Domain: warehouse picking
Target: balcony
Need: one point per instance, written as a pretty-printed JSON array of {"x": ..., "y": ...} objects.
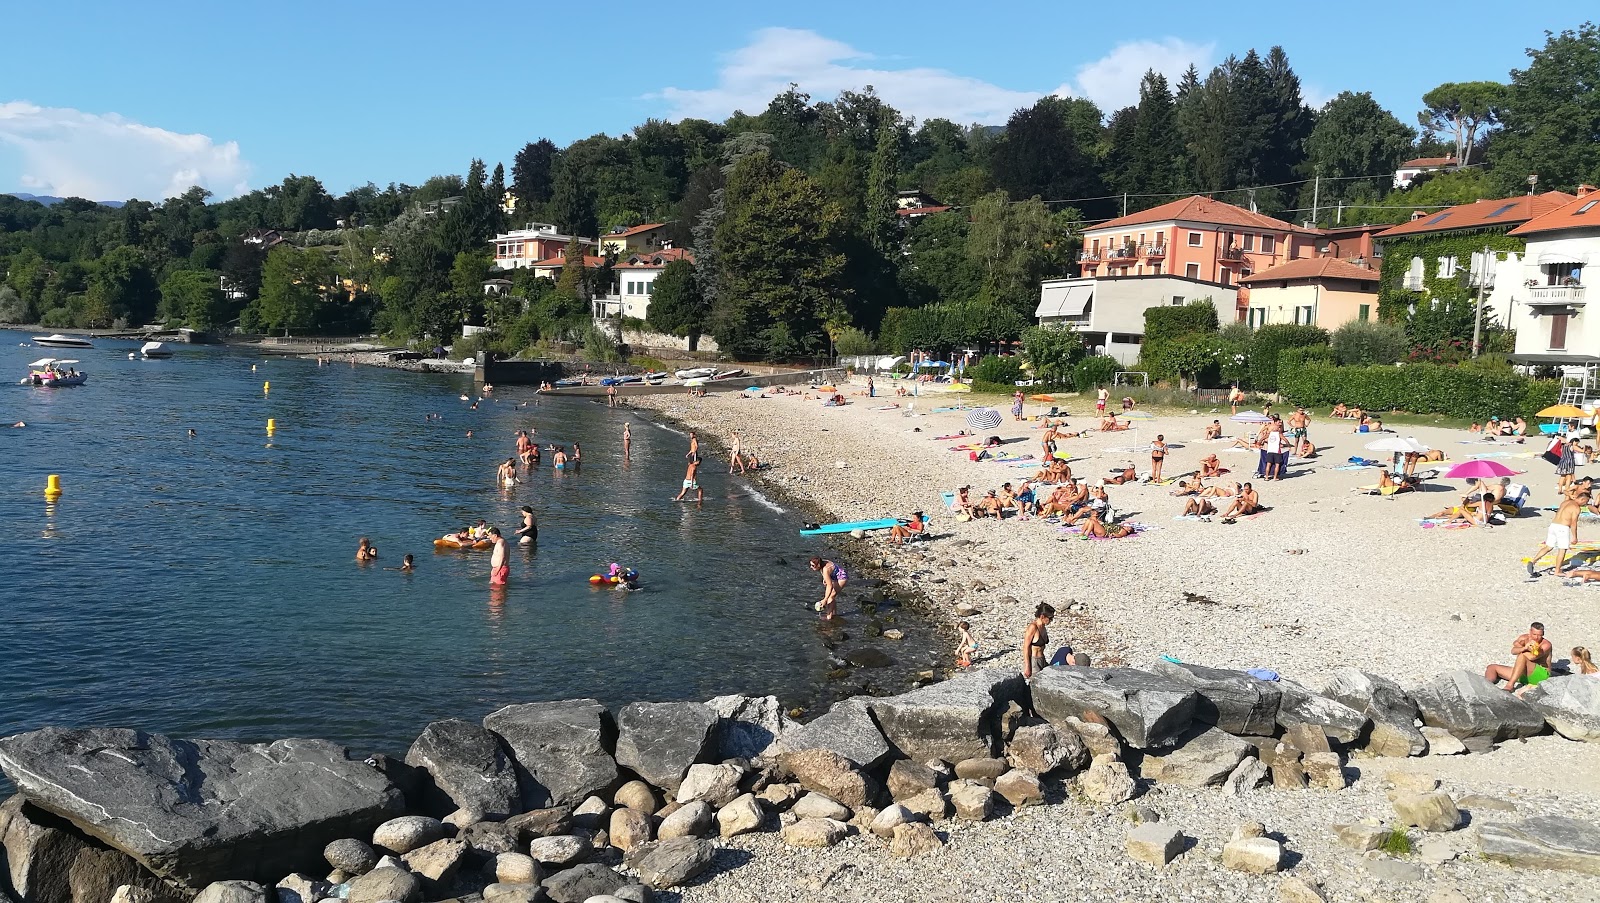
[
  {"x": 1127, "y": 252},
  {"x": 1412, "y": 282},
  {"x": 1555, "y": 295},
  {"x": 1088, "y": 256},
  {"x": 1231, "y": 257},
  {"x": 1153, "y": 251}
]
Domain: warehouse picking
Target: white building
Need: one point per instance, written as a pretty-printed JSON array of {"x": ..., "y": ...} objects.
[
  {"x": 1109, "y": 313},
  {"x": 1551, "y": 315},
  {"x": 635, "y": 283},
  {"x": 1409, "y": 170}
]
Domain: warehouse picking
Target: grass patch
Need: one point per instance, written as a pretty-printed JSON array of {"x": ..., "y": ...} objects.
[{"x": 1396, "y": 843}]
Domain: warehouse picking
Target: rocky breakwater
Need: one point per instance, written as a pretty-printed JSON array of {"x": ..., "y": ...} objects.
[{"x": 563, "y": 801}]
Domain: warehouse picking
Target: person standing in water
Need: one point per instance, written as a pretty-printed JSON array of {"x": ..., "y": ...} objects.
[
  {"x": 499, "y": 566},
  {"x": 507, "y": 473},
  {"x": 627, "y": 441},
  {"x": 694, "y": 449},
  {"x": 611, "y": 395},
  {"x": 528, "y": 533},
  {"x": 689, "y": 482},
  {"x": 736, "y": 454},
  {"x": 833, "y": 580},
  {"x": 365, "y": 551}
]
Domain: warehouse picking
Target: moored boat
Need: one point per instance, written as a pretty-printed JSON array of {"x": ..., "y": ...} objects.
[
  {"x": 57, "y": 340},
  {"x": 696, "y": 373},
  {"x": 155, "y": 351}
]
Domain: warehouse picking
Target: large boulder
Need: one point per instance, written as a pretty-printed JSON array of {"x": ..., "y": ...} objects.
[
  {"x": 749, "y": 727},
  {"x": 830, "y": 774},
  {"x": 660, "y": 740},
  {"x": 952, "y": 720},
  {"x": 50, "y": 862},
  {"x": 198, "y": 811},
  {"x": 1570, "y": 704},
  {"x": 1148, "y": 710},
  {"x": 1042, "y": 748},
  {"x": 1546, "y": 842},
  {"x": 1394, "y": 730},
  {"x": 559, "y": 748},
  {"x": 716, "y": 784},
  {"x": 467, "y": 768},
  {"x": 386, "y": 884},
  {"x": 236, "y": 892},
  {"x": 1477, "y": 712},
  {"x": 1232, "y": 700},
  {"x": 669, "y": 863},
  {"x": 1205, "y": 756},
  {"x": 1300, "y": 705},
  {"x": 575, "y": 885},
  {"x": 847, "y": 729}
]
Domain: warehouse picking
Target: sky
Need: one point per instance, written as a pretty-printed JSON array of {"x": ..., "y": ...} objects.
[{"x": 109, "y": 100}]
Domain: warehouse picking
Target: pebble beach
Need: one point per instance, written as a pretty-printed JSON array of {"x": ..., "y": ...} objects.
[{"x": 1327, "y": 578}]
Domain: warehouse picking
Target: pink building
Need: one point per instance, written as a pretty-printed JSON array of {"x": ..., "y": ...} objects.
[
  {"x": 533, "y": 246},
  {"x": 1194, "y": 238}
]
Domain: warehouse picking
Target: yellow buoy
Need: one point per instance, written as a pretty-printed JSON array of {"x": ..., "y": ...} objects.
[
  {"x": 272, "y": 424},
  {"x": 52, "y": 486},
  {"x": 266, "y": 387}
]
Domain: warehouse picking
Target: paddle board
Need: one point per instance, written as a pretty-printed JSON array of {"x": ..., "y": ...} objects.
[{"x": 884, "y": 524}]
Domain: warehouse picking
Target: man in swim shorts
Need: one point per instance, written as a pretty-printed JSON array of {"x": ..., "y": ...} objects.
[
  {"x": 499, "y": 565},
  {"x": 1532, "y": 654},
  {"x": 689, "y": 482},
  {"x": 1561, "y": 534},
  {"x": 1100, "y": 396}
]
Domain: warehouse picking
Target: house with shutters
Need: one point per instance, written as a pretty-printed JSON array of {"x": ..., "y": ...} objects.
[
  {"x": 1323, "y": 291},
  {"x": 635, "y": 282},
  {"x": 1552, "y": 320}
]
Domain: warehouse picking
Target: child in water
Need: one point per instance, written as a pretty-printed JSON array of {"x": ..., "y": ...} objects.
[
  {"x": 407, "y": 565},
  {"x": 968, "y": 645}
]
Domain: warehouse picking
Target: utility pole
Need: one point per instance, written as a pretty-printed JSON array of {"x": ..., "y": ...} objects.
[
  {"x": 1316, "y": 193},
  {"x": 1124, "y": 203},
  {"x": 1477, "y": 313}
]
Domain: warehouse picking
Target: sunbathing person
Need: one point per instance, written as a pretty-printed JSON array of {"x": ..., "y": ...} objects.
[
  {"x": 1339, "y": 410},
  {"x": 1246, "y": 504},
  {"x": 1385, "y": 481},
  {"x": 963, "y": 504},
  {"x": 1220, "y": 491},
  {"x": 1532, "y": 653},
  {"x": 913, "y": 525},
  {"x": 1200, "y": 507},
  {"x": 1111, "y": 424},
  {"x": 1245, "y": 442},
  {"x": 1124, "y": 474},
  {"x": 1210, "y": 466},
  {"x": 1189, "y": 487},
  {"x": 989, "y": 506},
  {"x": 1099, "y": 529},
  {"x": 1214, "y": 431}
]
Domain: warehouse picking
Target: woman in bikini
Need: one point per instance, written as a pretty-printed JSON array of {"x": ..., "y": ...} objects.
[
  {"x": 1158, "y": 455},
  {"x": 1099, "y": 529},
  {"x": 1035, "y": 638}
]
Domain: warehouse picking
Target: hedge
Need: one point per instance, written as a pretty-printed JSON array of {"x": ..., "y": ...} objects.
[{"x": 1419, "y": 389}]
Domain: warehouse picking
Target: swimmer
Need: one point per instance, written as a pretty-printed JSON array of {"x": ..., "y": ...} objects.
[
  {"x": 407, "y": 565},
  {"x": 560, "y": 458},
  {"x": 528, "y": 533},
  {"x": 192, "y": 433},
  {"x": 499, "y": 567},
  {"x": 507, "y": 473},
  {"x": 365, "y": 551}
]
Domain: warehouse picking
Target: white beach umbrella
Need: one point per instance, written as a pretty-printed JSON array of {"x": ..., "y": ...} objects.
[
  {"x": 1250, "y": 417},
  {"x": 1400, "y": 445}
]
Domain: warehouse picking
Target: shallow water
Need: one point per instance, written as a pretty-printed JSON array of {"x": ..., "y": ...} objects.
[{"x": 206, "y": 587}]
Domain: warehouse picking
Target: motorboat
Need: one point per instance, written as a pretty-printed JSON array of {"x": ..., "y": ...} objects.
[
  {"x": 155, "y": 351},
  {"x": 696, "y": 373},
  {"x": 728, "y": 374},
  {"x": 54, "y": 373},
  {"x": 57, "y": 340}
]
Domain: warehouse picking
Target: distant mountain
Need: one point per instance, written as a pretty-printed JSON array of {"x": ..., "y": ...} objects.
[{"x": 48, "y": 200}]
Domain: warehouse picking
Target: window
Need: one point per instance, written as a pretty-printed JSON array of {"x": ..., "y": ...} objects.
[
  {"x": 1177, "y": 300},
  {"x": 1500, "y": 210},
  {"x": 1559, "y": 273},
  {"x": 1363, "y": 311},
  {"x": 1304, "y": 316},
  {"x": 1266, "y": 244},
  {"x": 1586, "y": 207},
  {"x": 1155, "y": 268},
  {"x": 1227, "y": 276},
  {"x": 1194, "y": 239},
  {"x": 650, "y": 287},
  {"x": 1437, "y": 220},
  {"x": 1447, "y": 267},
  {"x": 1192, "y": 270},
  {"x": 1249, "y": 242},
  {"x": 1256, "y": 316}
]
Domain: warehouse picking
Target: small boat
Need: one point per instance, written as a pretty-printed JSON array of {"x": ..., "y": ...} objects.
[
  {"x": 696, "y": 373},
  {"x": 155, "y": 351},
  {"x": 57, "y": 340},
  {"x": 821, "y": 529},
  {"x": 568, "y": 383},
  {"x": 728, "y": 374},
  {"x": 46, "y": 373}
]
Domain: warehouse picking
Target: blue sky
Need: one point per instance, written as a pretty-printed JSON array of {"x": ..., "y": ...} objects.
[{"x": 118, "y": 99}]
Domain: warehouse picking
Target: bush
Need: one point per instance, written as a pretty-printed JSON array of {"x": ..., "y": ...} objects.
[
  {"x": 1463, "y": 392},
  {"x": 1269, "y": 342},
  {"x": 12, "y": 308},
  {"x": 852, "y": 342},
  {"x": 1163, "y": 324},
  {"x": 56, "y": 318},
  {"x": 1052, "y": 352},
  {"x": 599, "y": 347},
  {"x": 1090, "y": 372},
  {"x": 1360, "y": 342},
  {"x": 1003, "y": 371}
]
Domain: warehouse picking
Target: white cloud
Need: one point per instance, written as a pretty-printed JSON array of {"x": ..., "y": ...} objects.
[
  {"x": 754, "y": 74},
  {"x": 104, "y": 157},
  {"x": 1112, "y": 81},
  {"x": 776, "y": 57}
]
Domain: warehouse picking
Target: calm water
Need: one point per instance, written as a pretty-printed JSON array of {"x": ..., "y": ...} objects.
[{"x": 206, "y": 587}]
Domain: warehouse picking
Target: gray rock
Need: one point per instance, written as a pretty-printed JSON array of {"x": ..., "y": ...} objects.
[
  {"x": 48, "y": 864},
  {"x": 1546, "y": 842},
  {"x": 634, "y": 893},
  {"x": 354, "y": 856},
  {"x": 1299, "y": 890},
  {"x": 301, "y": 888},
  {"x": 929, "y": 804},
  {"x": 1393, "y": 731},
  {"x": 1412, "y": 781},
  {"x": 1043, "y": 749},
  {"x": 846, "y": 729},
  {"x": 1441, "y": 742},
  {"x": 1324, "y": 770},
  {"x": 1435, "y": 811},
  {"x": 716, "y": 784},
  {"x": 829, "y": 773},
  {"x": 749, "y": 727},
  {"x": 1249, "y": 775},
  {"x": 513, "y": 892},
  {"x": 1477, "y": 712},
  {"x": 188, "y": 809},
  {"x": 1475, "y": 802},
  {"x": 237, "y": 892},
  {"x": 814, "y": 832},
  {"x": 1386, "y": 869},
  {"x": 467, "y": 768},
  {"x": 660, "y": 740},
  {"x": 1107, "y": 781},
  {"x": 1020, "y": 788},
  {"x": 741, "y": 816},
  {"x": 914, "y": 839},
  {"x": 669, "y": 863},
  {"x": 126, "y": 893},
  {"x": 559, "y": 749},
  {"x": 1299, "y": 705},
  {"x": 908, "y": 778},
  {"x": 817, "y": 805},
  {"x": 780, "y": 796},
  {"x": 638, "y": 795},
  {"x": 1232, "y": 700},
  {"x": 983, "y": 770},
  {"x": 517, "y": 868},
  {"x": 1571, "y": 705},
  {"x": 560, "y": 850},
  {"x": 972, "y": 801},
  {"x": 437, "y": 863},
  {"x": 1253, "y": 855},
  {"x": 578, "y": 884},
  {"x": 384, "y": 884},
  {"x": 547, "y": 822},
  {"x": 406, "y": 833},
  {"x": 1156, "y": 844},
  {"x": 952, "y": 720},
  {"x": 1148, "y": 710},
  {"x": 1204, "y": 756},
  {"x": 696, "y": 819},
  {"x": 590, "y": 815}
]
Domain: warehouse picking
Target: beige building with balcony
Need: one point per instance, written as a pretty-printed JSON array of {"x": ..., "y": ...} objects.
[{"x": 1553, "y": 320}]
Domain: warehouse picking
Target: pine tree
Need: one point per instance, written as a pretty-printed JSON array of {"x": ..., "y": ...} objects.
[
  {"x": 1158, "y": 165},
  {"x": 532, "y": 176},
  {"x": 883, "y": 177},
  {"x": 573, "y": 205},
  {"x": 1117, "y": 163},
  {"x": 497, "y": 197}
]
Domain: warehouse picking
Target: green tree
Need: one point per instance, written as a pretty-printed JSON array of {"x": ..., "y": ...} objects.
[
  {"x": 121, "y": 288},
  {"x": 194, "y": 297},
  {"x": 12, "y": 308},
  {"x": 533, "y": 176},
  {"x": 883, "y": 178},
  {"x": 1354, "y": 137},
  {"x": 1358, "y": 343},
  {"x": 1156, "y": 165},
  {"x": 573, "y": 202},
  {"x": 1052, "y": 352},
  {"x": 937, "y": 266},
  {"x": 1270, "y": 341},
  {"x": 1461, "y": 110},
  {"x": 1551, "y": 118},
  {"x": 1015, "y": 245},
  {"x": 1187, "y": 356},
  {"x": 294, "y": 283},
  {"x": 677, "y": 306},
  {"x": 1040, "y": 154}
]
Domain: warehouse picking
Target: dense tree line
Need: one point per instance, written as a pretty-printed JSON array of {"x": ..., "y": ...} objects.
[{"x": 792, "y": 211}]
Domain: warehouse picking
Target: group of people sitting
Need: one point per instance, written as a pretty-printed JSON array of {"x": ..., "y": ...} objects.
[
  {"x": 1073, "y": 501},
  {"x": 1532, "y": 662},
  {"x": 1202, "y": 501},
  {"x": 1496, "y": 428},
  {"x": 1485, "y": 504}
]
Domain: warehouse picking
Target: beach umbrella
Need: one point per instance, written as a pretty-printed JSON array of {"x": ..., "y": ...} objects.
[
  {"x": 984, "y": 418},
  {"x": 1400, "y": 445},
  {"x": 1250, "y": 417},
  {"x": 1137, "y": 415},
  {"x": 1561, "y": 411},
  {"x": 958, "y": 387},
  {"x": 1478, "y": 469}
]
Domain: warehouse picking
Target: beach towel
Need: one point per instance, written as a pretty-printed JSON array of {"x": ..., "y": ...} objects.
[
  {"x": 1262, "y": 673},
  {"x": 1375, "y": 489},
  {"x": 1430, "y": 523},
  {"x": 1351, "y": 467},
  {"x": 1076, "y": 530},
  {"x": 1582, "y": 548},
  {"x": 952, "y": 436}
]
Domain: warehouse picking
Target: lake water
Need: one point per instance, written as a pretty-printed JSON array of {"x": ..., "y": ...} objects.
[{"x": 206, "y": 587}]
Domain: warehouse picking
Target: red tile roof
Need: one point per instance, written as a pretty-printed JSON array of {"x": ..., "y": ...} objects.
[
  {"x": 1313, "y": 268},
  {"x": 921, "y": 211},
  {"x": 655, "y": 260},
  {"x": 1421, "y": 162},
  {"x": 1481, "y": 215},
  {"x": 635, "y": 230},
  {"x": 590, "y": 262},
  {"x": 1582, "y": 212},
  {"x": 1199, "y": 210}
]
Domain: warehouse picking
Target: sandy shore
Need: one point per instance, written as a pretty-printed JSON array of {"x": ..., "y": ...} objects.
[{"x": 1325, "y": 579}]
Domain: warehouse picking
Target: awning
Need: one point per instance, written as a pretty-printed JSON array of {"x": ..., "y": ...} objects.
[
  {"x": 1064, "y": 300},
  {"x": 1547, "y": 258},
  {"x": 1568, "y": 359}
]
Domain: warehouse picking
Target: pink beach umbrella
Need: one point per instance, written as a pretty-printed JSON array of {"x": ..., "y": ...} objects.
[{"x": 1478, "y": 469}]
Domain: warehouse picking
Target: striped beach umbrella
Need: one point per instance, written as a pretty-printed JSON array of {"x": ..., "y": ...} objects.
[{"x": 984, "y": 418}]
